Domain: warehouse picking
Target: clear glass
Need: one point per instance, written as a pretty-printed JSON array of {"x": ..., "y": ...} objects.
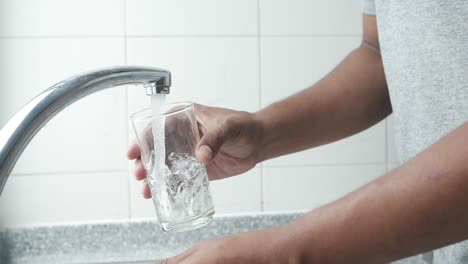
[{"x": 179, "y": 185}]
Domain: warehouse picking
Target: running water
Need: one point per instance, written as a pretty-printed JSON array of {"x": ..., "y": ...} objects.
[{"x": 158, "y": 104}]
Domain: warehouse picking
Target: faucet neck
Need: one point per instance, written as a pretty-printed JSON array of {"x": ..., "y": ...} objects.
[{"x": 19, "y": 130}]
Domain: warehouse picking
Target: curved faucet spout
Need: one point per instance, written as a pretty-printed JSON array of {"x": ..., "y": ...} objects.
[{"x": 18, "y": 132}]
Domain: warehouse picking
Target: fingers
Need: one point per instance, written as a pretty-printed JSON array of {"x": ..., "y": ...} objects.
[
  {"x": 201, "y": 111},
  {"x": 140, "y": 171},
  {"x": 140, "y": 174},
  {"x": 133, "y": 152},
  {"x": 204, "y": 154},
  {"x": 145, "y": 191},
  {"x": 214, "y": 173},
  {"x": 212, "y": 141}
]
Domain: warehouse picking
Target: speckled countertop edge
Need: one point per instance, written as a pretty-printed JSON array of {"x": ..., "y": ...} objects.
[{"x": 122, "y": 242}]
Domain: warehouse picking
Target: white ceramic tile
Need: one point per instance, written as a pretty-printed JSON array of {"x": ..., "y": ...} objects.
[
  {"x": 305, "y": 188},
  {"x": 90, "y": 135},
  {"x": 214, "y": 71},
  {"x": 392, "y": 153},
  {"x": 291, "y": 64},
  {"x": 306, "y": 17},
  {"x": 365, "y": 147},
  {"x": 239, "y": 194},
  {"x": 50, "y": 199},
  {"x": 186, "y": 17},
  {"x": 61, "y": 18},
  {"x": 392, "y": 166}
]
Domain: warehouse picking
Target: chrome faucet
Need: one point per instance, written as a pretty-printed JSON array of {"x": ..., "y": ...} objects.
[{"x": 19, "y": 130}]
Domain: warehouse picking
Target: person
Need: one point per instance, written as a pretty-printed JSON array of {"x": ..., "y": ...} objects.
[{"x": 413, "y": 61}]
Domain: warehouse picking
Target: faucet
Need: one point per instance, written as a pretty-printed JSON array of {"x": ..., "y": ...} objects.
[{"x": 23, "y": 126}]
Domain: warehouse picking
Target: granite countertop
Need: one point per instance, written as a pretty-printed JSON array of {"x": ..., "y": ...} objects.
[{"x": 134, "y": 242}]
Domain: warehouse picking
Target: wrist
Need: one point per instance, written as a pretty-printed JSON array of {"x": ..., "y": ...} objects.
[
  {"x": 290, "y": 243},
  {"x": 258, "y": 118},
  {"x": 264, "y": 121}
]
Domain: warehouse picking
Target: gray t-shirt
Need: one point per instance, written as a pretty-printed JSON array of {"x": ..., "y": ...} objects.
[{"x": 424, "y": 46}]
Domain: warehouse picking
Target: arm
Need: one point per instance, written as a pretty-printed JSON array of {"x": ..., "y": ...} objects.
[
  {"x": 350, "y": 99},
  {"x": 417, "y": 207},
  {"x": 413, "y": 209}
]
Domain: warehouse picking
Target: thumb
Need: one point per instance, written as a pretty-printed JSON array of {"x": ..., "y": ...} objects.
[{"x": 210, "y": 144}]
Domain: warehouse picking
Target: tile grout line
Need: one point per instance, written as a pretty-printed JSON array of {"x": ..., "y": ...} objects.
[
  {"x": 185, "y": 36},
  {"x": 249, "y": 36},
  {"x": 129, "y": 196},
  {"x": 326, "y": 165},
  {"x": 259, "y": 57}
]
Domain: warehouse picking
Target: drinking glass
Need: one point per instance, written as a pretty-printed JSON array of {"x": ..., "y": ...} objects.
[{"x": 178, "y": 181}]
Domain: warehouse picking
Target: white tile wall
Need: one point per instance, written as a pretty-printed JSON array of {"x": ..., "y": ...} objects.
[
  {"x": 304, "y": 188},
  {"x": 57, "y": 198},
  {"x": 290, "y": 64},
  {"x": 392, "y": 153},
  {"x": 61, "y": 18},
  {"x": 214, "y": 71},
  {"x": 363, "y": 148},
  {"x": 187, "y": 17},
  {"x": 392, "y": 156},
  {"x": 391, "y": 166},
  {"x": 240, "y": 54},
  {"x": 310, "y": 17},
  {"x": 239, "y": 194}
]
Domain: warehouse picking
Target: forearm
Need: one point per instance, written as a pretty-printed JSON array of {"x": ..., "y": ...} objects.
[
  {"x": 413, "y": 209},
  {"x": 351, "y": 98}
]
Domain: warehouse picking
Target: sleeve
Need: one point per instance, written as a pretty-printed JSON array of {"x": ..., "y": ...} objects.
[{"x": 368, "y": 7}]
